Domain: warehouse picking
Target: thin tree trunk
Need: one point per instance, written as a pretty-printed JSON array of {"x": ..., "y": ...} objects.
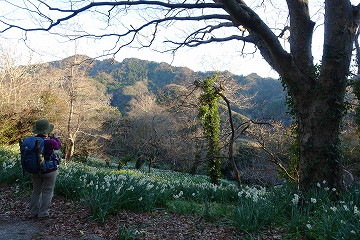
[
  {"x": 71, "y": 141},
  {"x": 70, "y": 147},
  {"x": 232, "y": 139}
]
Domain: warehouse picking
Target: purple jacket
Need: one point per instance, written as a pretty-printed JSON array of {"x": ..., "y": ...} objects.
[{"x": 50, "y": 144}]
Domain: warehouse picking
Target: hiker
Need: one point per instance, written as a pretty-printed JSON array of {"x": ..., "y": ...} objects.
[{"x": 44, "y": 181}]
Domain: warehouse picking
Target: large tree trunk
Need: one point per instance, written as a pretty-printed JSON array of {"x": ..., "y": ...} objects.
[
  {"x": 319, "y": 117},
  {"x": 317, "y": 92},
  {"x": 319, "y": 100}
]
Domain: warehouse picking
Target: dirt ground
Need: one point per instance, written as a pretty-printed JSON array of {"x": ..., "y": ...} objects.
[{"x": 69, "y": 221}]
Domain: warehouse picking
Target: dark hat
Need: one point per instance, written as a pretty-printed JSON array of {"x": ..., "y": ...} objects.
[{"x": 42, "y": 127}]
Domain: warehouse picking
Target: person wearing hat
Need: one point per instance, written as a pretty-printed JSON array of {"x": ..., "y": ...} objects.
[{"x": 44, "y": 182}]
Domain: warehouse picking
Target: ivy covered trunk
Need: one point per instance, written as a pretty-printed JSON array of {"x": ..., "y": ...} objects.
[
  {"x": 213, "y": 156},
  {"x": 210, "y": 119},
  {"x": 318, "y": 97},
  {"x": 319, "y": 115},
  {"x": 316, "y": 89}
]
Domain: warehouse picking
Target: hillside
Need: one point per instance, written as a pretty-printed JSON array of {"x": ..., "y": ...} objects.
[
  {"x": 267, "y": 98},
  {"x": 86, "y": 99}
]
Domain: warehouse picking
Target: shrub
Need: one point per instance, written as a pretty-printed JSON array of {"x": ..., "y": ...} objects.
[{"x": 10, "y": 167}]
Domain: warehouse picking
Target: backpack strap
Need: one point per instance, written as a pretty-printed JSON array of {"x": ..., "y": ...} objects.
[
  {"x": 39, "y": 152},
  {"x": 20, "y": 143}
]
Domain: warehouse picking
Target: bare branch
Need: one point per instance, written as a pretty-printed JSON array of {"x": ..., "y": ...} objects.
[
  {"x": 197, "y": 42},
  {"x": 274, "y": 159},
  {"x": 74, "y": 12}
]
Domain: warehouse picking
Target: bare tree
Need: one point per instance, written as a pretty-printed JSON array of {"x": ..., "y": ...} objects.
[
  {"x": 75, "y": 103},
  {"x": 147, "y": 127},
  {"x": 21, "y": 98},
  {"x": 188, "y": 144},
  {"x": 317, "y": 92},
  {"x": 15, "y": 80},
  {"x": 87, "y": 105}
]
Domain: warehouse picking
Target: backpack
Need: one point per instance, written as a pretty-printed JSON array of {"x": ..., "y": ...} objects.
[{"x": 32, "y": 156}]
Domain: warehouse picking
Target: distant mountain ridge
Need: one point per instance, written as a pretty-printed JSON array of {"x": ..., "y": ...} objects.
[{"x": 268, "y": 96}]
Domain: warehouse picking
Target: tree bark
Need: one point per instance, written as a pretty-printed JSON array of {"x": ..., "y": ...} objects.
[
  {"x": 319, "y": 116},
  {"x": 319, "y": 101},
  {"x": 69, "y": 150},
  {"x": 232, "y": 138},
  {"x": 317, "y": 92}
]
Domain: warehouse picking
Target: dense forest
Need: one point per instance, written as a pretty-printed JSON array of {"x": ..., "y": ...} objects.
[
  {"x": 148, "y": 112},
  {"x": 265, "y": 94}
]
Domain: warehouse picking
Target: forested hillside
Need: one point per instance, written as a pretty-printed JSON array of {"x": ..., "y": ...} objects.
[
  {"x": 266, "y": 95},
  {"x": 148, "y": 112},
  {"x": 143, "y": 135}
]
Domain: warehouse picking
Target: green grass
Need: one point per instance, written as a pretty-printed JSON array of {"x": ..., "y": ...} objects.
[
  {"x": 210, "y": 211},
  {"x": 127, "y": 233},
  {"x": 252, "y": 210}
]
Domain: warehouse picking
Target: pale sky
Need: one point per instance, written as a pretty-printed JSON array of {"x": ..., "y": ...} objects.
[
  {"x": 212, "y": 57},
  {"x": 204, "y": 58}
]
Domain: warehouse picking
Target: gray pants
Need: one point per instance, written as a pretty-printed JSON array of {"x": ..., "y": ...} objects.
[{"x": 43, "y": 189}]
